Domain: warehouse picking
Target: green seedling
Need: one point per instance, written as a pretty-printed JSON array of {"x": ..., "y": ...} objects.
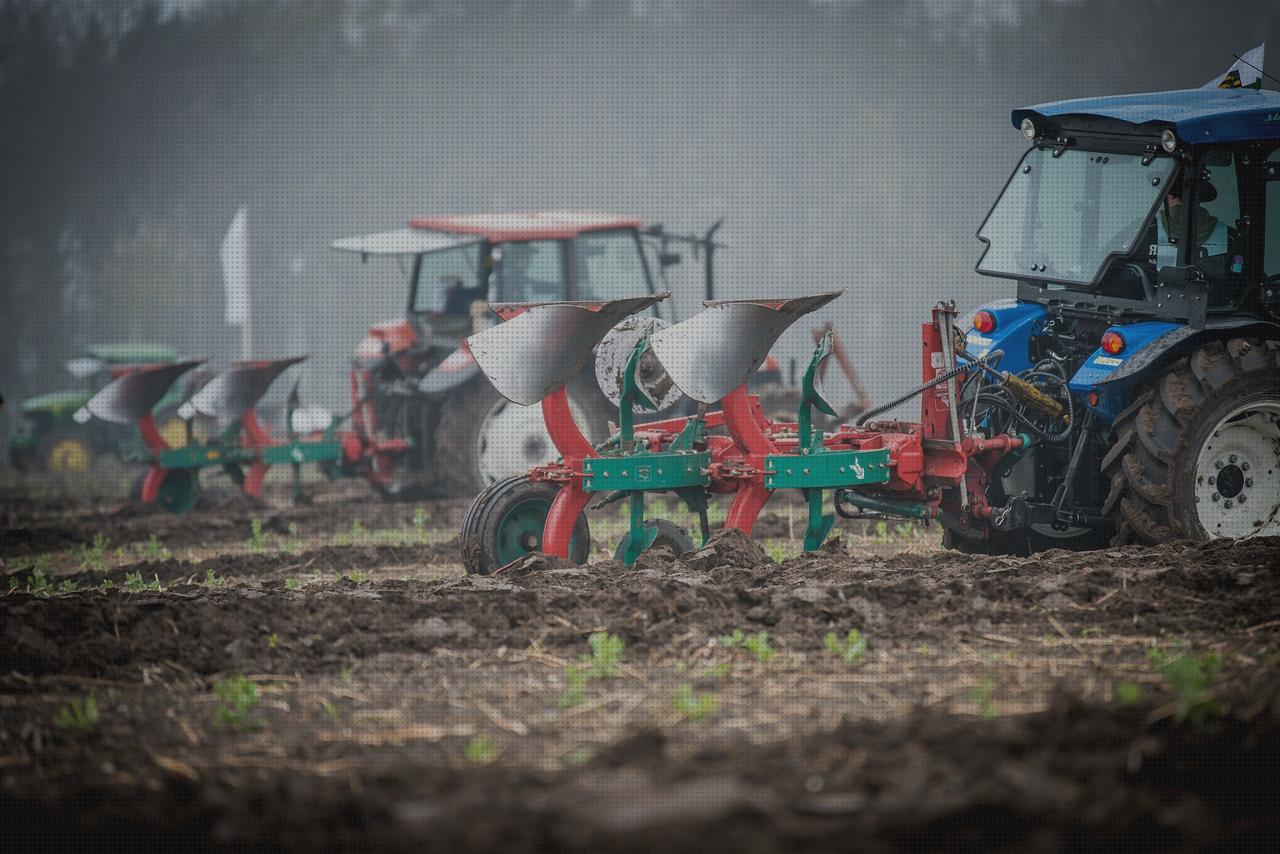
[
  {"x": 981, "y": 694},
  {"x": 734, "y": 638},
  {"x": 332, "y": 710},
  {"x": 577, "y": 756},
  {"x": 257, "y": 541},
  {"x": 81, "y": 714},
  {"x": 1191, "y": 678},
  {"x": 718, "y": 671},
  {"x": 758, "y": 645},
  {"x": 107, "y": 585},
  {"x": 212, "y": 579},
  {"x": 238, "y": 695},
  {"x": 695, "y": 707},
  {"x": 1090, "y": 632},
  {"x": 481, "y": 750},
  {"x": 421, "y": 518},
  {"x": 152, "y": 549},
  {"x": 134, "y": 584},
  {"x": 347, "y": 675},
  {"x": 606, "y": 656},
  {"x": 575, "y": 680},
  {"x": 850, "y": 647},
  {"x": 1128, "y": 693},
  {"x": 94, "y": 556},
  {"x": 39, "y": 584},
  {"x": 69, "y": 585},
  {"x": 292, "y": 583},
  {"x": 359, "y": 576},
  {"x": 292, "y": 544},
  {"x": 273, "y": 641},
  {"x": 778, "y": 552}
]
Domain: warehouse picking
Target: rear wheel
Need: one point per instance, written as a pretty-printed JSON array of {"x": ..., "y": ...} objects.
[
  {"x": 670, "y": 536},
  {"x": 484, "y": 438},
  {"x": 505, "y": 522},
  {"x": 1198, "y": 455},
  {"x": 65, "y": 453}
]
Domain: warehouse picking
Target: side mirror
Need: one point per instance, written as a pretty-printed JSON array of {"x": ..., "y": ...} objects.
[
  {"x": 669, "y": 259},
  {"x": 1180, "y": 276}
]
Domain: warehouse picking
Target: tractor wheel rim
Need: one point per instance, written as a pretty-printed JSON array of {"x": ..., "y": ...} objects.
[
  {"x": 520, "y": 530},
  {"x": 1237, "y": 486},
  {"x": 513, "y": 439},
  {"x": 69, "y": 456}
]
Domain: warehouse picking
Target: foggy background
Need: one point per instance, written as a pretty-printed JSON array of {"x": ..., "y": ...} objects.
[{"x": 848, "y": 144}]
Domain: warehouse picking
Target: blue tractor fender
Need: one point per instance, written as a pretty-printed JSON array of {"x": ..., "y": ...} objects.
[
  {"x": 1107, "y": 383},
  {"x": 456, "y": 370}
]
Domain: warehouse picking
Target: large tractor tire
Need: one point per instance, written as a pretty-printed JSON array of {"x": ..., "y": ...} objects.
[
  {"x": 484, "y": 438},
  {"x": 65, "y": 453},
  {"x": 505, "y": 522},
  {"x": 1197, "y": 455}
]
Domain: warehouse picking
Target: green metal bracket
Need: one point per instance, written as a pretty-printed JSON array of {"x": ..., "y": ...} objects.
[
  {"x": 679, "y": 469},
  {"x": 816, "y": 469}
]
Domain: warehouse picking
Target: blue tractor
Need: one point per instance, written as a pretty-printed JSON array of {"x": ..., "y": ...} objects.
[{"x": 1142, "y": 351}]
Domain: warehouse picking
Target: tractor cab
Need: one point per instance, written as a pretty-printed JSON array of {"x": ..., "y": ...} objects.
[{"x": 462, "y": 263}]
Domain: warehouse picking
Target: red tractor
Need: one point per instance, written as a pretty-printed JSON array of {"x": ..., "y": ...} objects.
[{"x": 425, "y": 419}]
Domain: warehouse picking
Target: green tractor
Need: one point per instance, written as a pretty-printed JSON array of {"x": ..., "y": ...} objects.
[{"x": 51, "y": 439}]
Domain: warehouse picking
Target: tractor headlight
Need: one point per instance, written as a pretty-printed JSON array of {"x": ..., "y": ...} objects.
[
  {"x": 1028, "y": 128},
  {"x": 1168, "y": 141}
]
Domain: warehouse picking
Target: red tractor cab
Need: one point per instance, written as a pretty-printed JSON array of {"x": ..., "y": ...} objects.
[{"x": 425, "y": 420}]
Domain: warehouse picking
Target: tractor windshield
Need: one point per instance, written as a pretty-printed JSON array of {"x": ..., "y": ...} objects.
[
  {"x": 609, "y": 265},
  {"x": 1063, "y": 214}
]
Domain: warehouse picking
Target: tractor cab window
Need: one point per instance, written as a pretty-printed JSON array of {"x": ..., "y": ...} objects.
[
  {"x": 608, "y": 265},
  {"x": 1271, "y": 215},
  {"x": 1217, "y": 246},
  {"x": 532, "y": 272},
  {"x": 1064, "y": 213},
  {"x": 448, "y": 281}
]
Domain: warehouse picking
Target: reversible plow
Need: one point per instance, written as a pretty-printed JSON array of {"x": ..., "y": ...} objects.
[
  {"x": 914, "y": 470},
  {"x": 239, "y": 443}
]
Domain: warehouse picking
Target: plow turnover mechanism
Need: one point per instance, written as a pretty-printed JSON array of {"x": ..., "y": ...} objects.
[
  {"x": 240, "y": 445},
  {"x": 914, "y": 470}
]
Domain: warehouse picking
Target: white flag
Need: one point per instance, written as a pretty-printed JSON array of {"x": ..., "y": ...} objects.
[
  {"x": 235, "y": 268},
  {"x": 1246, "y": 73}
]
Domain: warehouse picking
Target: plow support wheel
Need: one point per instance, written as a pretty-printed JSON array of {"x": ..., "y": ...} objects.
[
  {"x": 234, "y": 392},
  {"x": 543, "y": 345},
  {"x": 128, "y": 399},
  {"x": 716, "y": 350}
]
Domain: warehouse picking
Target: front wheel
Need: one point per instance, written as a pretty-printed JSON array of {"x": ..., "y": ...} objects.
[
  {"x": 505, "y": 522},
  {"x": 1198, "y": 455}
]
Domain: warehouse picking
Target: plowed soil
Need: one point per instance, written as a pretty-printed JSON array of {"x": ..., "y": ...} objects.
[{"x": 1001, "y": 703}]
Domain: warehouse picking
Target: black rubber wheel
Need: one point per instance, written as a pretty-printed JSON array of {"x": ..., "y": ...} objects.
[
  {"x": 1156, "y": 458},
  {"x": 505, "y": 521},
  {"x": 670, "y": 536},
  {"x": 466, "y": 457}
]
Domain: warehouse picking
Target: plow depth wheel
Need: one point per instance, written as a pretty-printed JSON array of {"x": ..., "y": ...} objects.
[
  {"x": 505, "y": 522},
  {"x": 179, "y": 490},
  {"x": 670, "y": 536}
]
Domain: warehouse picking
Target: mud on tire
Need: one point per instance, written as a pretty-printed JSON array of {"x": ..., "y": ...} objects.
[{"x": 1152, "y": 463}]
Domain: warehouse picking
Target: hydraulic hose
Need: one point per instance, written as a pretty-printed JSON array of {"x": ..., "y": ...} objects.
[{"x": 923, "y": 387}]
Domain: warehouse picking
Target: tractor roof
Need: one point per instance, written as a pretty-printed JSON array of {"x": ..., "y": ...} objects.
[
  {"x": 1196, "y": 115},
  {"x": 541, "y": 225},
  {"x": 132, "y": 354}
]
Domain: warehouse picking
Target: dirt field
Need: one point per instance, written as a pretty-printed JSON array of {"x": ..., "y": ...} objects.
[{"x": 326, "y": 677}]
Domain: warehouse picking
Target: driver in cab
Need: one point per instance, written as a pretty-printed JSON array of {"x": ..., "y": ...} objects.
[{"x": 1211, "y": 237}]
